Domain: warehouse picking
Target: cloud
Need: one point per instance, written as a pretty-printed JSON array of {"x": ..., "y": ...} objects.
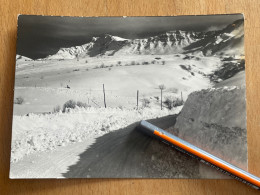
[{"x": 215, "y": 28}]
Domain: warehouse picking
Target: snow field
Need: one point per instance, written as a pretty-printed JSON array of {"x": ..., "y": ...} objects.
[{"x": 42, "y": 85}]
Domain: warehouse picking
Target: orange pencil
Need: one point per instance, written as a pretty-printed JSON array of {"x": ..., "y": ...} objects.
[{"x": 201, "y": 155}]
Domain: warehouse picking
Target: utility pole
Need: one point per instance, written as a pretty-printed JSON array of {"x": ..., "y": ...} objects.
[{"x": 161, "y": 87}]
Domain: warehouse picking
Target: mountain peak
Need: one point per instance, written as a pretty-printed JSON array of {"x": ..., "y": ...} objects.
[
  {"x": 111, "y": 37},
  {"x": 22, "y": 58}
]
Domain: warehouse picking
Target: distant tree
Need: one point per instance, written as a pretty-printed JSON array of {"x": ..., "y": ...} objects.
[
  {"x": 146, "y": 102},
  {"x": 173, "y": 102},
  {"x": 18, "y": 100},
  {"x": 102, "y": 65},
  {"x": 56, "y": 109},
  {"x": 178, "y": 102},
  {"x": 71, "y": 104},
  {"x": 169, "y": 102},
  {"x": 161, "y": 87}
]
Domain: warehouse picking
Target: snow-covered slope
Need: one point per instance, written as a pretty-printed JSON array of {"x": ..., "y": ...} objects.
[
  {"x": 106, "y": 44},
  {"x": 22, "y": 61},
  {"x": 179, "y": 75}
]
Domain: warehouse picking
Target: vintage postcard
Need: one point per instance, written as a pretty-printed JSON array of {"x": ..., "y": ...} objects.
[{"x": 83, "y": 84}]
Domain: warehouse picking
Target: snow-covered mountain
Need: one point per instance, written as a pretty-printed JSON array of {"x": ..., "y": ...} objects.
[
  {"x": 22, "y": 61},
  {"x": 21, "y": 58},
  {"x": 166, "y": 43},
  {"x": 227, "y": 41},
  {"x": 97, "y": 46}
]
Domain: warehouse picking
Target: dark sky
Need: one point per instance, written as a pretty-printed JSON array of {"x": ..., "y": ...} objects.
[{"x": 39, "y": 36}]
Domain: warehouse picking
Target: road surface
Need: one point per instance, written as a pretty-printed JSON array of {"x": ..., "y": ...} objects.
[{"x": 122, "y": 153}]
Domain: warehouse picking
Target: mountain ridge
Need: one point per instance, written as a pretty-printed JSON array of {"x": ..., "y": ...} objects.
[{"x": 228, "y": 41}]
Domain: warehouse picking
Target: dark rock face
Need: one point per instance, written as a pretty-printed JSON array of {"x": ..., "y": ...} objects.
[
  {"x": 105, "y": 44},
  {"x": 227, "y": 70}
]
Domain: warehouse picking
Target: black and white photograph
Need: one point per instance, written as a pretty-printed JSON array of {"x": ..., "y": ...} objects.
[{"x": 83, "y": 84}]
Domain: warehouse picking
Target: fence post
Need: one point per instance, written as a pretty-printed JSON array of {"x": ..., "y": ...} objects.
[
  {"x": 137, "y": 98},
  {"x": 104, "y": 95},
  {"x": 161, "y": 99}
]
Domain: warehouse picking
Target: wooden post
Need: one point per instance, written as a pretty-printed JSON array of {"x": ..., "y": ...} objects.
[
  {"x": 161, "y": 99},
  {"x": 137, "y": 98},
  {"x": 104, "y": 95}
]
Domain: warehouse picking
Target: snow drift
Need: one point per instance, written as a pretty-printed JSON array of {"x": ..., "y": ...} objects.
[
  {"x": 220, "y": 130},
  {"x": 38, "y": 132}
]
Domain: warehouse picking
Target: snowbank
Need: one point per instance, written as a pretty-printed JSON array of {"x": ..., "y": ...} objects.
[
  {"x": 215, "y": 119},
  {"x": 39, "y": 132}
]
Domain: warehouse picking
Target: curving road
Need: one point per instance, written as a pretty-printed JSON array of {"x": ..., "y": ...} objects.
[
  {"x": 129, "y": 153},
  {"x": 123, "y": 153}
]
